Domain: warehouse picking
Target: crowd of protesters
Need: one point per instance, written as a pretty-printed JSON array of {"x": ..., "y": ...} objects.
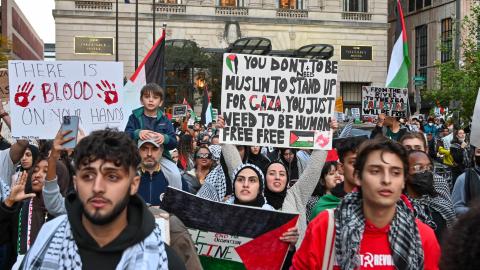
[{"x": 390, "y": 201}]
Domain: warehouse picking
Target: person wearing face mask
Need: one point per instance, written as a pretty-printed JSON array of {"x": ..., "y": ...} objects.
[
  {"x": 467, "y": 186},
  {"x": 430, "y": 127},
  {"x": 459, "y": 149},
  {"x": 429, "y": 207}
]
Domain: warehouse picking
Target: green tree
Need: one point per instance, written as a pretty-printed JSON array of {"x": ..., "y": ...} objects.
[
  {"x": 461, "y": 83},
  {"x": 185, "y": 56}
]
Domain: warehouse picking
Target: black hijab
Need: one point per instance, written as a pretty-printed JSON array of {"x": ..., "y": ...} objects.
[
  {"x": 259, "y": 200},
  {"x": 276, "y": 199}
]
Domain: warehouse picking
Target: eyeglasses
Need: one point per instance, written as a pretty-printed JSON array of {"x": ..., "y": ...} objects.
[
  {"x": 423, "y": 168},
  {"x": 203, "y": 155}
]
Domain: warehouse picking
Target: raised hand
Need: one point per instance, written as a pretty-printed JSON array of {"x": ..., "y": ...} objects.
[
  {"x": 220, "y": 122},
  {"x": 22, "y": 96},
  {"x": 17, "y": 192},
  {"x": 60, "y": 140},
  {"x": 109, "y": 92}
]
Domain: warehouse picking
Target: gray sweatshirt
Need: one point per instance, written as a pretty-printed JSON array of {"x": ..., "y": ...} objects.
[{"x": 459, "y": 196}]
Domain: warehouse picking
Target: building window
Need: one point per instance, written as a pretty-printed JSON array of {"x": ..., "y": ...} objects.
[
  {"x": 170, "y": 1},
  {"x": 446, "y": 38},
  {"x": 411, "y": 5},
  {"x": 351, "y": 92},
  {"x": 421, "y": 50},
  {"x": 355, "y": 5},
  {"x": 290, "y": 4},
  {"x": 427, "y": 3},
  {"x": 230, "y": 3}
]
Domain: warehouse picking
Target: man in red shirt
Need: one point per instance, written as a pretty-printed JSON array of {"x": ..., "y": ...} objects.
[{"x": 374, "y": 227}]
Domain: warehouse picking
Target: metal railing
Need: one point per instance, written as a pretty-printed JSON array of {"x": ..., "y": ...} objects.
[
  {"x": 170, "y": 8},
  {"x": 95, "y": 5},
  {"x": 356, "y": 16},
  {"x": 292, "y": 13},
  {"x": 231, "y": 11}
]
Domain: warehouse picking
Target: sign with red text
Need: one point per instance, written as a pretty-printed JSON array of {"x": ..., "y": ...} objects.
[
  {"x": 278, "y": 101},
  {"x": 386, "y": 100},
  {"x": 41, "y": 93}
]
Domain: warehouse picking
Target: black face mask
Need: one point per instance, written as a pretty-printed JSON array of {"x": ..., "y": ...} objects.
[{"x": 422, "y": 183}]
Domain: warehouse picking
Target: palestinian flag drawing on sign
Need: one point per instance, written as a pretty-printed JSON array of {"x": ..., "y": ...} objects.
[
  {"x": 302, "y": 138},
  {"x": 231, "y": 237}
]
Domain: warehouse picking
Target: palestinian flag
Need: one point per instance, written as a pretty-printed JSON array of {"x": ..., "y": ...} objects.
[
  {"x": 150, "y": 70},
  {"x": 230, "y": 236},
  {"x": 302, "y": 138},
  {"x": 399, "y": 61},
  {"x": 193, "y": 116},
  {"x": 207, "y": 110}
]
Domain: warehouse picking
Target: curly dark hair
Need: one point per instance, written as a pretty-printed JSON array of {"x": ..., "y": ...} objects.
[
  {"x": 384, "y": 145},
  {"x": 461, "y": 248},
  {"x": 109, "y": 145}
]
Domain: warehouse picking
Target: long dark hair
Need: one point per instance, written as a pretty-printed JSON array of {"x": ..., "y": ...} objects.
[
  {"x": 321, "y": 187},
  {"x": 185, "y": 147}
]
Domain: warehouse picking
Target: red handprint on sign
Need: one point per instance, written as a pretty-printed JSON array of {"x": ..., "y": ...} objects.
[
  {"x": 109, "y": 91},
  {"x": 322, "y": 140},
  {"x": 21, "y": 97}
]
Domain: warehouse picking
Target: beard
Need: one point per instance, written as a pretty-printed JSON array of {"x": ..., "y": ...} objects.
[{"x": 97, "y": 219}]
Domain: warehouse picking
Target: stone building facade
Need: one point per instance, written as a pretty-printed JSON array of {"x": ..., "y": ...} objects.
[
  {"x": 25, "y": 42},
  {"x": 214, "y": 24}
]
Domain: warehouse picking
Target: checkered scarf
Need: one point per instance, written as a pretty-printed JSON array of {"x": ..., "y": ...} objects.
[
  {"x": 403, "y": 236},
  {"x": 61, "y": 252}
]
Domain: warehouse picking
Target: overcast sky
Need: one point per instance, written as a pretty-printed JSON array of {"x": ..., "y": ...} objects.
[{"x": 39, "y": 14}]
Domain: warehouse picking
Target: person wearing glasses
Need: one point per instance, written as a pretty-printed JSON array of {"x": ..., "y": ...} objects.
[
  {"x": 420, "y": 188},
  {"x": 203, "y": 165}
]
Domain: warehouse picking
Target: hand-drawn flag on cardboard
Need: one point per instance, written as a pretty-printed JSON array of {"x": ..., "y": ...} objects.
[
  {"x": 231, "y": 236},
  {"x": 302, "y": 138}
]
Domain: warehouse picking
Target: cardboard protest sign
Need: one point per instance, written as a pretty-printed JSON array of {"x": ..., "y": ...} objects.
[
  {"x": 278, "y": 101},
  {"x": 339, "y": 105},
  {"x": 231, "y": 236},
  {"x": 4, "y": 88},
  {"x": 44, "y": 92},
  {"x": 390, "y": 101},
  {"x": 179, "y": 111},
  {"x": 475, "y": 130}
]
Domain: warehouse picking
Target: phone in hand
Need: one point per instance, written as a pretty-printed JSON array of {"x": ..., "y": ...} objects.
[{"x": 70, "y": 122}]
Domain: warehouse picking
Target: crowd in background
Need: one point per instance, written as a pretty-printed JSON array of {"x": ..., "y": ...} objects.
[{"x": 438, "y": 176}]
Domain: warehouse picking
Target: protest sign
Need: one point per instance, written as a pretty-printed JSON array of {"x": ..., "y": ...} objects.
[
  {"x": 339, "y": 105},
  {"x": 475, "y": 130},
  {"x": 390, "y": 101},
  {"x": 231, "y": 236},
  {"x": 179, "y": 111},
  {"x": 356, "y": 113},
  {"x": 4, "y": 88},
  {"x": 44, "y": 92},
  {"x": 278, "y": 101}
]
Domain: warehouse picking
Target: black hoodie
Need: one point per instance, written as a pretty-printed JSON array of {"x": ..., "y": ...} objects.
[{"x": 140, "y": 225}]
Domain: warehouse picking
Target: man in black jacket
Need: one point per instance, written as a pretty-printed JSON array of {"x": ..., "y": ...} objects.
[{"x": 107, "y": 225}]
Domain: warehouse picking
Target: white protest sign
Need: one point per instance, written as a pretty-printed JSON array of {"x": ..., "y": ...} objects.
[
  {"x": 179, "y": 111},
  {"x": 43, "y": 92},
  {"x": 278, "y": 101},
  {"x": 475, "y": 131},
  {"x": 355, "y": 113},
  {"x": 390, "y": 101}
]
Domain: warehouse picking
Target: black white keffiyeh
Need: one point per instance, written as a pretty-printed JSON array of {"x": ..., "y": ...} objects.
[
  {"x": 61, "y": 252},
  {"x": 403, "y": 236}
]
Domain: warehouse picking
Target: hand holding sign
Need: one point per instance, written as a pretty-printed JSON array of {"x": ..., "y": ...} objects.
[
  {"x": 22, "y": 95},
  {"x": 109, "y": 92}
]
